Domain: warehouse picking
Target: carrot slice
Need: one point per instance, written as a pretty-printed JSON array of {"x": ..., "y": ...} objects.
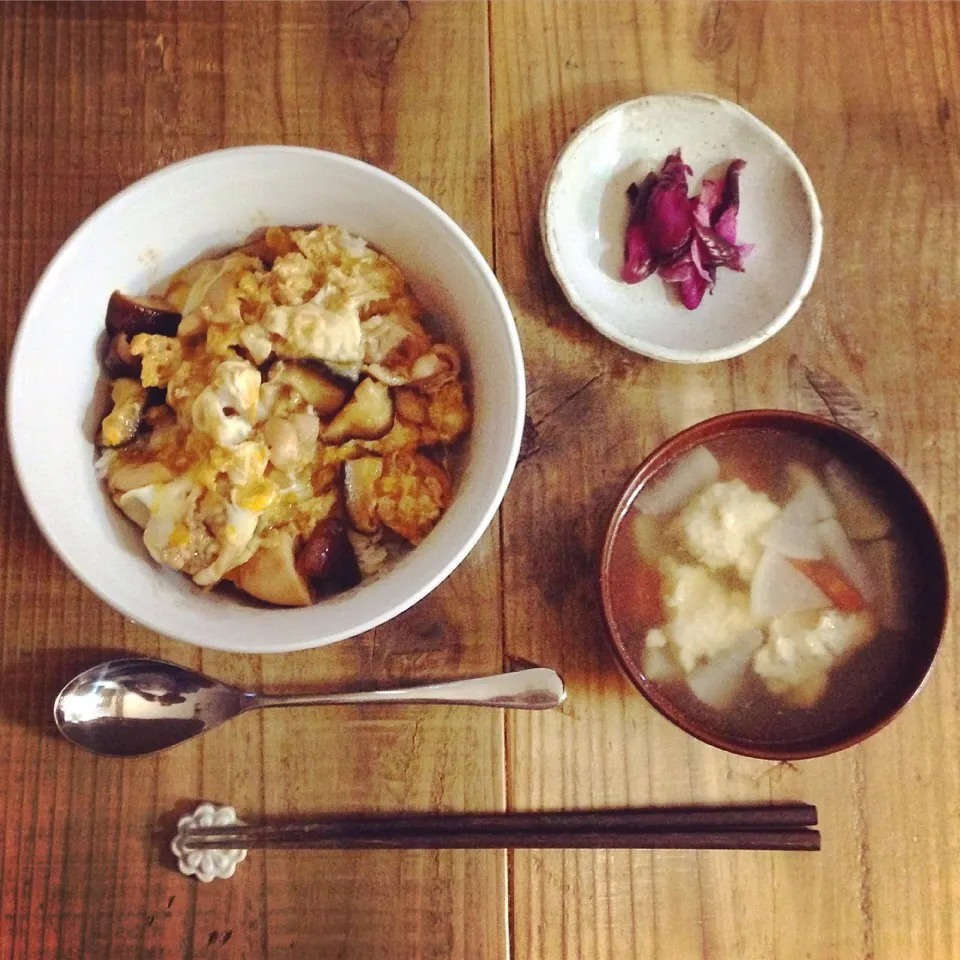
[{"x": 825, "y": 575}]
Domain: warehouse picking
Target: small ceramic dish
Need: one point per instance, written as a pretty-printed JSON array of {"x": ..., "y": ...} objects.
[
  {"x": 584, "y": 214},
  {"x": 863, "y": 686}
]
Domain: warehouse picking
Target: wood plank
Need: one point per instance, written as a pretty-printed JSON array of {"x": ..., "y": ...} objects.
[
  {"x": 867, "y": 96},
  {"x": 94, "y": 96}
]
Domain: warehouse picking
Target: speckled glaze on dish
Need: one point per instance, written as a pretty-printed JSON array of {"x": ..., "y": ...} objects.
[
  {"x": 584, "y": 213},
  {"x": 929, "y": 615}
]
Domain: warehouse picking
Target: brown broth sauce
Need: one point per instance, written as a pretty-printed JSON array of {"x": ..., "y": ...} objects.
[{"x": 856, "y": 688}]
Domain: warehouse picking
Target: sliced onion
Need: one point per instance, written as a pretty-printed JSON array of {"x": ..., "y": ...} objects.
[{"x": 669, "y": 491}]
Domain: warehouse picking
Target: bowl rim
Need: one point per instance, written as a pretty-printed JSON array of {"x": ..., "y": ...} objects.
[
  {"x": 645, "y": 348},
  {"x": 683, "y": 441},
  {"x": 202, "y": 638}
]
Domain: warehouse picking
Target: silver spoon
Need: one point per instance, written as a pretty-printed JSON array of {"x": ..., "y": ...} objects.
[{"x": 126, "y": 708}]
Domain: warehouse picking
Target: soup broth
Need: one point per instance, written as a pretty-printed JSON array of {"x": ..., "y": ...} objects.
[{"x": 763, "y": 586}]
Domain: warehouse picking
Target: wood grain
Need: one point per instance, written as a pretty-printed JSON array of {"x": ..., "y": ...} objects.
[
  {"x": 872, "y": 117},
  {"x": 95, "y": 96},
  {"x": 470, "y": 102}
]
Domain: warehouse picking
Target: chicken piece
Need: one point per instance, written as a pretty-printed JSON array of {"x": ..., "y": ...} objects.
[
  {"x": 411, "y": 405},
  {"x": 438, "y": 366},
  {"x": 413, "y": 492},
  {"x": 361, "y": 484},
  {"x": 367, "y": 415},
  {"x": 271, "y": 574},
  {"x": 447, "y": 413}
]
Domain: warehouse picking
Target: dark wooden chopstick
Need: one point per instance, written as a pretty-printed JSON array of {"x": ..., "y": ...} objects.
[
  {"x": 770, "y": 827},
  {"x": 800, "y": 838}
]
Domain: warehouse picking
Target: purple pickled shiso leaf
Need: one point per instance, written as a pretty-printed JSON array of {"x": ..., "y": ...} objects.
[
  {"x": 638, "y": 194},
  {"x": 677, "y": 270},
  {"x": 692, "y": 291},
  {"x": 711, "y": 195},
  {"x": 731, "y": 184},
  {"x": 674, "y": 170},
  {"x": 726, "y": 225},
  {"x": 689, "y": 276},
  {"x": 638, "y": 262},
  {"x": 719, "y": 202},
  {"x": 715, "y": 251},
  {"x": 702, "y": 264},
  {"x": 669, "y": 218},
  {"x": 684, "y": 239},
  {"x": 723, "y": 219}
]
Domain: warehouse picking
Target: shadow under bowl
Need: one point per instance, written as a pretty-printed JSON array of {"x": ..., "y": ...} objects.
[{"x": 926, "y": 610}]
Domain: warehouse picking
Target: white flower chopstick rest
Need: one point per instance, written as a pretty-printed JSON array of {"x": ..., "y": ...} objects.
[{"x": 206, "y": 865}]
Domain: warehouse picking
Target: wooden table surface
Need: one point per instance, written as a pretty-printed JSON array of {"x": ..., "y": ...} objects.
[{"x": 470, "y": 103}]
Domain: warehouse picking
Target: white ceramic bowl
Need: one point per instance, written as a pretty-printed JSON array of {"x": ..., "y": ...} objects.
[
  {"x": 584, "y": 214},
  {"x": 163, "y": 222}
]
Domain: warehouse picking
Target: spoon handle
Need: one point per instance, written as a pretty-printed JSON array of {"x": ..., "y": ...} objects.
[{"x": 536, "y": 689}]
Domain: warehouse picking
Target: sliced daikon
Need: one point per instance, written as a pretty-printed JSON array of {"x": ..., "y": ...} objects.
[
  {"x": 862, "y": 517},
  {"x": 881, "y": 556},
  {"x": 845, "y": 555},
  {"x": 646, "y": 536},
  {"x": 815, "y": 500},
  {"x": 717, "y": 682},
  {"x": 778, "y": 587},
  {"x": 793, "y": 531},
  {"x": 668, "y": 492}
]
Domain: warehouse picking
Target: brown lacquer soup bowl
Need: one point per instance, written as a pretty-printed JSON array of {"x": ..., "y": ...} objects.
[{"x": 773, "y": 584}]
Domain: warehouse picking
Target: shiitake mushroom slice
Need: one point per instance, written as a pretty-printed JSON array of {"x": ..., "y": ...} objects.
[
  {"x": 325, "y": 394},
  {"x": 368, "y": 414},
  {"x": 131, "y": 315},
  {"x": 120, "y": 361},
  {"x": 327, "y": 557},
  {"x": 360, "y": 478}
]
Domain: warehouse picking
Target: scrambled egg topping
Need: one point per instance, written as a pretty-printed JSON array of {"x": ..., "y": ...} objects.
[{"x": 229, "y": 439}]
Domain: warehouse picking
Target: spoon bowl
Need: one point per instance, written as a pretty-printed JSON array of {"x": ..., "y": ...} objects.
[{"x": 131, "y": 707}]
